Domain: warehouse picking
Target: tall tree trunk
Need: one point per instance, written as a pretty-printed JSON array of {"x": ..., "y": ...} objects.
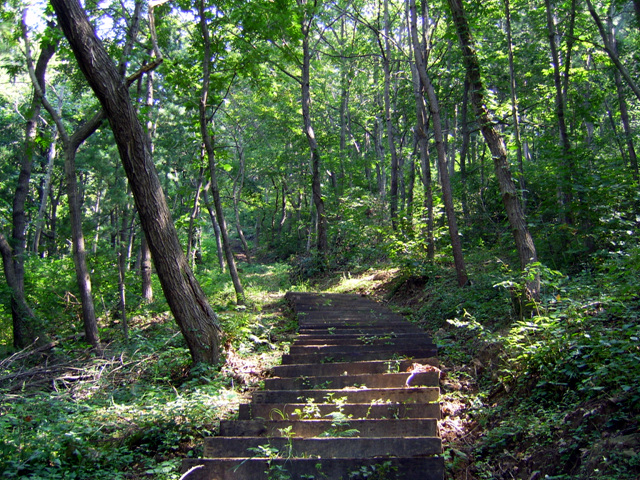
[
  {"x": 208, "y": 140},
  {"x": 145, "y": 271},
  {"x": 195, "y": 210},
  {"x": 434, "y": 108},
  {"x": 391, "y": 142},
  {"x": 514, "y": 105},
  {"x": 624, "y": 112},
  {"x": 523, "y": 240},
  {"x": 464, "y": 149},
  {"x": 608, "y": 48},
  {"x": 198, "y": 322},
  {"x": 216, "y": 229},
  {"x": 46, "y": 188},
  {"x": 322, "y": 242},
  {"x": 26, "y": 327},
  {"x": 70, "y": 147},
  {"x": 238, "y": 183},
  {"x": 565, "y": 186}
]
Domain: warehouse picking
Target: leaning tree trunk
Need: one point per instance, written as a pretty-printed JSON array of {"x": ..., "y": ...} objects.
[
  {"x": 524, "y": 242},
  {"x": 197, "y": 320}
]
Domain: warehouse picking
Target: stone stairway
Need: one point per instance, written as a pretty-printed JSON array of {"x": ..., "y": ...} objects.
[{"x": 355, "y": 398}]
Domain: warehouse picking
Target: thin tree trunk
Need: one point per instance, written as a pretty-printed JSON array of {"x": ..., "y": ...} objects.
[
  {"x": 70, "y": 147},
  {"x": 466, "y": 137},
  {"x": 565, "y": 186},
  {"x": 195, "y": 210},
  {"x": 322, "y": 243},
  {"x": 238, "y": 183},
  {"x": 523, "y": 240},
  {"x": 434, "y": 108},
  {"x": 145, "y": 271},
  {"x": 26, "y": 327},
  {"x": 386, "y": 54},
  {"x": 216, "y": 229},
  {"x": 608, "y": 48},
  {"x": 514, "y": 106},
  {"x": 198, "y": 322},
  {"x": 624, "y": 112},
  {"x": 208, "y": 140},
  {"x": 51, "y": 156}
]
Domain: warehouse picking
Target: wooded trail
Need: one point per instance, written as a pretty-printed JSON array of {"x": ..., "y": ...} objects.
[{"x": 356, "y": 397}]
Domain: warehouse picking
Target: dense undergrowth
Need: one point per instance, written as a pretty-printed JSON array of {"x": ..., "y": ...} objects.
[
  {"x": 553, "y": 395},
  {"x": 138, "y": 407}
]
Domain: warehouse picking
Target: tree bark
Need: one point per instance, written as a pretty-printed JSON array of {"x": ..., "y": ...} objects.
[
  {"x": 523, "y": 240},
  {"x": 196, "y": 319}
]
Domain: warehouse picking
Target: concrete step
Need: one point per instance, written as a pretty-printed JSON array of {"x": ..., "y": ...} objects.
[
  {"x": 362, "y": 338},
  {"x": 349, "y": 368},
  {"x": 377, "y": 380},
  {"x": 427, "y": 427},
  {"x": 344, "y": 349},
  {"x": 334, "y": 447},
  {"x": 357, "y": 329},
  {"x": 355, "y": 355},
  {"x": 401, "y": 468},
  {"x": 301, "y": 411},
  {"x": 360, "y": 395}
]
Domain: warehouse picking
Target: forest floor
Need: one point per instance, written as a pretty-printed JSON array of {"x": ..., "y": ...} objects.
[{"x": 137, "y": 408}]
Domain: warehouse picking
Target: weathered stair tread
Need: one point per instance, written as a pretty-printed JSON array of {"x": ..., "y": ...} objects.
[
  {"x": 360, "y": 339},
  {"x": 426, "y": 468},
  {"x": 347, "y": 349},
  {"x": 427, "y": 427},
  {"x": 274, "y": 411},
  {"x": 350, "y": 368},
  {"x": 357, "y": 329},
  {"x": 357, "y": 355},
  {"x": 371, "y": 380},
  {"x": 336, "y": 447},
  {"x": 360, "y": 395}
]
